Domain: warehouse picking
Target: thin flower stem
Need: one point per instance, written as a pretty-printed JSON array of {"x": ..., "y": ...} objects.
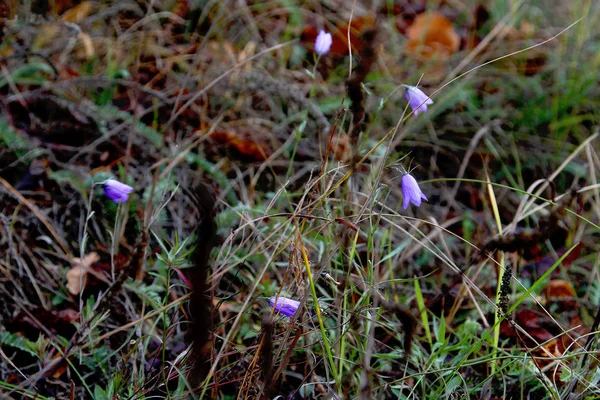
[
  {"x": 113, "y": 243},
  {"x": 501, "y": 272},
  {"x": 82, "y": 246},
  {"x": 319, "y": 317}
]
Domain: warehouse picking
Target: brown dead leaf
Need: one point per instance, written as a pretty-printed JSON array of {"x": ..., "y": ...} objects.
[
  {"x": 559, "y": 288},
  {"x": 86, "y": 42},
  {"x": 562, "y": 293},
  {"x": 39, "y": 319},
  {"x": 244, "y": 143},
  {"x": 537, "y": 325},
  {"x": 60, "y": 368},
  {"x": 342, "y": 147},
  {"x": 76, "y": 275},
  {"x": 543, "y": 355},
  {"x": 77, "y": 13},
  {"x": 432, "y": 35}
]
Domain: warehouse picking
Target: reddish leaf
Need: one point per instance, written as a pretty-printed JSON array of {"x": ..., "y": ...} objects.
[
  {"x": 432, "y": 36},
  {"x": 39, "y": 320},
  {"x": 558, "y": 288},
  {"x": 244, "y": 143},
  {"x": 537, "y": 325}
]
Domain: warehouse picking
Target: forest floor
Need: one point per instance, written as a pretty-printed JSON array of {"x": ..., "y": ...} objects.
[{"x": 486, "y": 286}]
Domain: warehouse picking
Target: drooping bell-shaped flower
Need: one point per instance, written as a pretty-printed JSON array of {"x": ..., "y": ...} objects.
[
  {"x": 284, "y": 305},
  {"x": 417, "y": 100},
  {"x": 117, "y": 191},
  {"x": 323, "y": 43},
  {"x": 411, "y": 192}
]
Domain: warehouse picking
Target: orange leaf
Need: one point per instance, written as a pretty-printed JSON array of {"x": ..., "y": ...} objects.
[
  {"x": 342, "y": 147},
  {"x": 77, "y": 13},
  {"x": 244, "y": 143},
  {"x": 432, "y": 35},
  {"x": 558, "y": 288},
  {"x": 76, "y": 275}
]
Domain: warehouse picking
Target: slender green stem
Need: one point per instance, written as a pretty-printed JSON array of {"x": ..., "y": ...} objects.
[{"x": 319, "y": 316}]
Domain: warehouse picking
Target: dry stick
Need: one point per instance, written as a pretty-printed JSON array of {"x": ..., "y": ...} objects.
[
  {"x": 201, "y": 298},
  {"x": 38, "y": 214},
  {"x": 266, "y": 352},
  {"x": 349, "y": 42}
]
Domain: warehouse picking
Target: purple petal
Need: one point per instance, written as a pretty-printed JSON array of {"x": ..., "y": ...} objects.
[
  {"x": 323, "y": 43},
  {"x": 117, "y": 191},
  {"x": 417, "y": 100},
  {"x": 284, "y": 305},
  {"x": 411, "y": 192},
  {"x": 405, "y": 201}
]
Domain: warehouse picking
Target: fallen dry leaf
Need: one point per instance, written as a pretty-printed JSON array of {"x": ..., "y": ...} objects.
[
  {"x": 244, "y": 143},
  {"x": 39, "y": 319},
  {"x": 342, "y": 147},
  {"x": 76, "y": 275},
  {"x": 537, "y": 325},
  {"x": 432, "y": 36},
  {"x": 559, "y": 288},
  {"x": 77, "y": 13},
  {"x": 543, "y": 355},
  {"x": 60, "y": 367},
  {"x": 86, "y": 42}
]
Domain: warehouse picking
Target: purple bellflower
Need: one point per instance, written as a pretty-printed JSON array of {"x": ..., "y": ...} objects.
[
  {"x": 417, "y": 100},
  {"x": 323, "y": 43},
  {"x": 117, "y": 191},
  {"x": 411, "y": 192},
  {"x": 284, "y": 305}
]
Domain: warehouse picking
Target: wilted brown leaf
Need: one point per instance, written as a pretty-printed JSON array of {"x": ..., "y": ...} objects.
[
  {"x": 76, "y": 275},
  {"x": 60, "y": 368},
  {"x": 244, "y": 143},
  {"x": 537, "y": 325},
  {"x": 39, "y": 319},
  {"x": 432, "y": 35},
  {"x": 78, "y": 13},
  {"x": 559, "y": 288},
  {"x": 342, "y": 147}
]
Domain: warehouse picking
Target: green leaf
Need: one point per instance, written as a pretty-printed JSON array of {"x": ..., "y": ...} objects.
[
  {"x": 19, "y": 342},
  {"x": 100, "y": 394}
]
